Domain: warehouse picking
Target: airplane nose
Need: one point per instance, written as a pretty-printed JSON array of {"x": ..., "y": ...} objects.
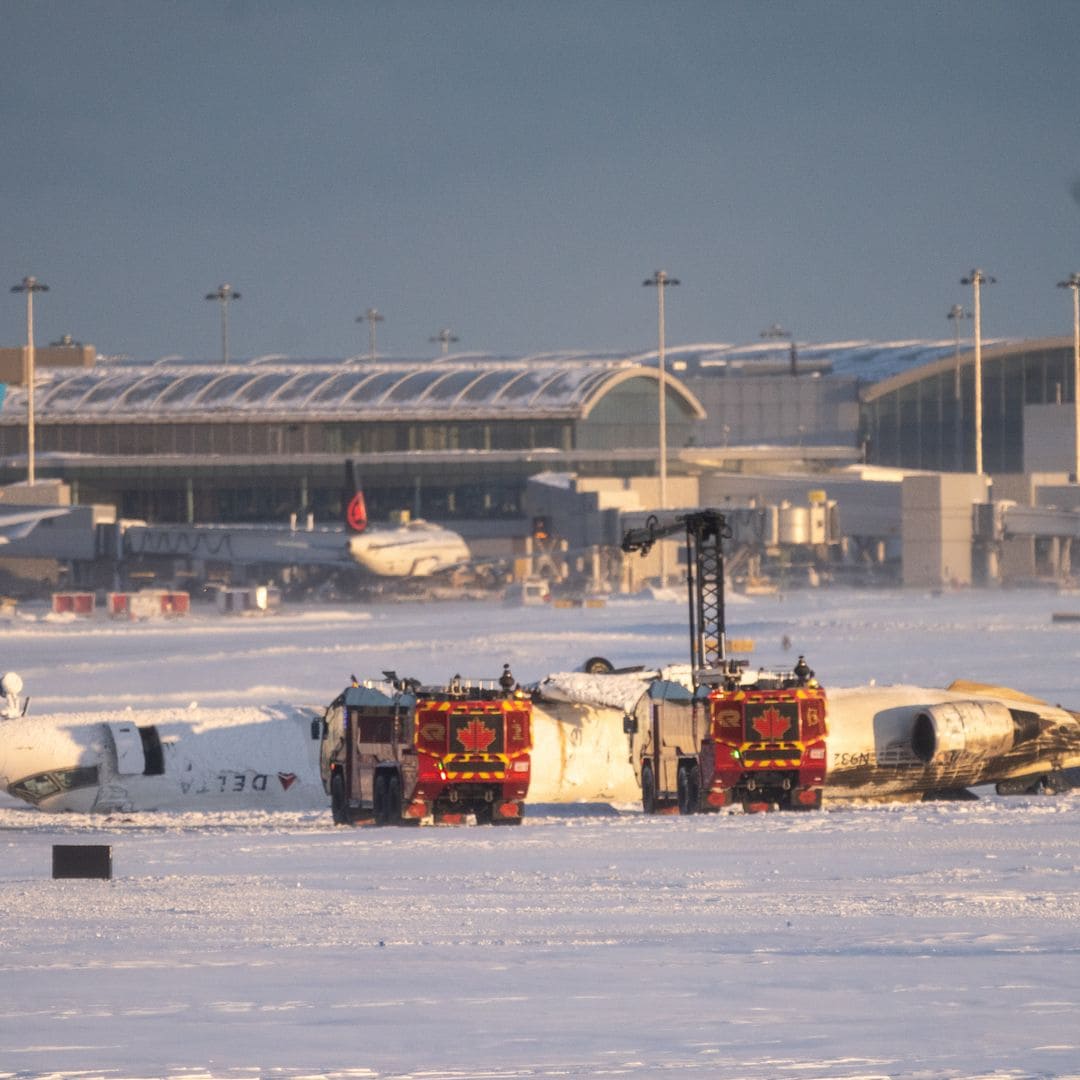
[{"x": 41, "y": 762}]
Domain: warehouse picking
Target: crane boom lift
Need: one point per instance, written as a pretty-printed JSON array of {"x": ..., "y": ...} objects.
[
  {"x": 750, "y": 738},
  {"x": 705, "y": 532}
]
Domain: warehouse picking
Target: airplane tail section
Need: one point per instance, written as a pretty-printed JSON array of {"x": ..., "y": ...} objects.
[{"x": 355, "y": 509}]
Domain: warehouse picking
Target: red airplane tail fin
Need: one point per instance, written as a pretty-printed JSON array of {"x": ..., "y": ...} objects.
[{"x": 356, "y": 518}]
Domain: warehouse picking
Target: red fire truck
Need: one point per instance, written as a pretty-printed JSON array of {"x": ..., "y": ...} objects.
[
  {"x": 740, "y": 737},
  {"x": 396, "y": 752}
]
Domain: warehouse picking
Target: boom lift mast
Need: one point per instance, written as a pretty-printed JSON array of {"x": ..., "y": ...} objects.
[
  {"x": 705, "y": 532},
  {"x": 750, "y": 738}
]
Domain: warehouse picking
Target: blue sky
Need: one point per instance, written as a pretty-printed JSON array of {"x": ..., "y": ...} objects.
[{"x": 515, "y": 170}]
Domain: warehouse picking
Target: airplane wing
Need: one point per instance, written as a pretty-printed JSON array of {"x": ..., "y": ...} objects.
[
  {"x": 965, "y": 686},
  {"x": 20, "y": 523}
]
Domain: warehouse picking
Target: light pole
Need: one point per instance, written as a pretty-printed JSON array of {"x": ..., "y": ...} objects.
[
  {"x": 30, "y": 285},
  {"x": 956, "y": 313},
  {"x": 1073, "y": 282},
  {"x": 223, "y": 294},
  {"x": 445, "y": 337},
  {"x": 777, "y": 331},
  {"x": 371, "y": 317},
  {"x": 661, "y": 281},
  {"x": 976, "y": 279}
]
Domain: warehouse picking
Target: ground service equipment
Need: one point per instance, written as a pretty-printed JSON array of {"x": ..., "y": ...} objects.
[
  {"x": 755, "y": 738},
  {"x": 397, "y": 752}
]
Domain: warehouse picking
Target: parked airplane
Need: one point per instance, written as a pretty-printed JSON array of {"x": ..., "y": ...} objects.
[
  {"x": 885, "y": 743},
  {"x": 414, "y": 549}
]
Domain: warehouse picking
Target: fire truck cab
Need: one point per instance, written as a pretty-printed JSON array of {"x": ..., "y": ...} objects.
[
  {"x": 757, "y": 740},
  {"x": 396, "y": 752}
]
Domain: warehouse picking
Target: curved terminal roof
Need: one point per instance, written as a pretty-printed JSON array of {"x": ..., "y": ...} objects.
[
  {"x": 555, "y": 385},
  {"x": 991, "y": 353},
  {"x": 566, "y": 383}
]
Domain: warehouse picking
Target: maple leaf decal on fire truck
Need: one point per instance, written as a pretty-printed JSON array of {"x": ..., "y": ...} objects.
[
  {"x": 771, "y": 724},
  {"x": 476, "y": 736}
]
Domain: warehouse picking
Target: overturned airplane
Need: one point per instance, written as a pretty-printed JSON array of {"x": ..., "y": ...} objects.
[{"x": 884, "y": 743}]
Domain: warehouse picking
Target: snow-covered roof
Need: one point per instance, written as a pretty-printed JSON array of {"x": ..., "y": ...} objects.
[
  {"x": 555, "y": 383},
  {"x": 352, "y": 388},
  {"x": 869, "y": 361}
]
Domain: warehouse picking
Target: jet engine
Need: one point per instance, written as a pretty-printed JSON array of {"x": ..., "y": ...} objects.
[{"x": 974, "y": 729}]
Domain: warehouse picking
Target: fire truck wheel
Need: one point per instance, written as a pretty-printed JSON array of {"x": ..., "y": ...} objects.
[
  {"x": 338, "y": 808},
  {"x": 648, "y": 789},
  {"x": 393, "y": 799},
  {"x": 485, "y": 815},
  {"x": 379, "y": 799},
  {"x": 689, "y": 782}
]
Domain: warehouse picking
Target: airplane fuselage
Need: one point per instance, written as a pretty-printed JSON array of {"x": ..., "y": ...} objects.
[
  {"x": 884, "y": 743},
  {"x": 210, "y": 759},
  {"x": 893, "y": 741},
  {"x": 418, "y": 549}
]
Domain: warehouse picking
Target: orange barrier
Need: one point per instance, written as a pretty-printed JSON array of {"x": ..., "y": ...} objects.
[{"x": 147, "y": 603}]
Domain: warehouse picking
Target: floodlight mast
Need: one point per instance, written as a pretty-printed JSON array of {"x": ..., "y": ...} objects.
[
  {"x": 955, "y": 314},
  {"x": 777, "y": 331},
  {"x": 976, "y": 279},
  {"x": 445, "y": 338},
  {"x": 372, "y": 317},
  {"x": 1073, "y": 282},
  {"x": 30, "y": 285},
  {"x": 223, "y": 295}
]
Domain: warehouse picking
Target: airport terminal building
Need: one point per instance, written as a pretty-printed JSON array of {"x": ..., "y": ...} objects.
[
  {"x": 456, "y": 438},
  {"x": 924, "y": 417},
  {"x": 263, "y": 439}
]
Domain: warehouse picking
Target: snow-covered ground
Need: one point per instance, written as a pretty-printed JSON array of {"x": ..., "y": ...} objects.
[{"x": 936, "y": 940}]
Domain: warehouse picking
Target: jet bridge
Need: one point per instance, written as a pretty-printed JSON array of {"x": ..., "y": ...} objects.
[
  {"x": 100, "y": 550},
  {"x": 1040, "y": 522},
  {"x": 247, "y": 544},
  {"x": 1002, "y": 525}
]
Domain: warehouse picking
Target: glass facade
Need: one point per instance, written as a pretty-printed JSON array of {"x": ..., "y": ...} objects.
[
  {"x": 928, "y": 422},
  {"x": 627, "y": 418},
  {"x": 440, "y": 443},
  {"x": 228, "y": 494}
]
